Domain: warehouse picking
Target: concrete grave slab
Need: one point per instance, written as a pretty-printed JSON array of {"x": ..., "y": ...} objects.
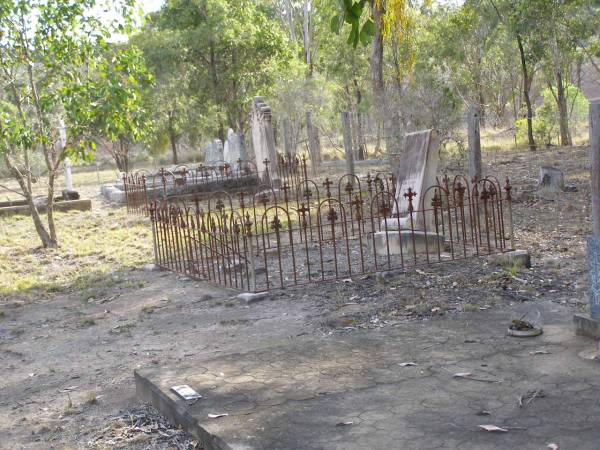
[
  {"x": 402, "y": 242},
  {"x": 354, "y": 390}
]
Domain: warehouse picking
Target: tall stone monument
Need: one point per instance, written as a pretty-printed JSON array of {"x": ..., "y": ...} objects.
[{"x": 263, "y": 141}]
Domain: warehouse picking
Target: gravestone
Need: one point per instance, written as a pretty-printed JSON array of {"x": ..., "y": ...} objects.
[
  {"x": 263, "y": 141},
  {"x": 416, "y": 168},
  {"x": 234, "y": 150},
  {"x": 213, "y": 152}
]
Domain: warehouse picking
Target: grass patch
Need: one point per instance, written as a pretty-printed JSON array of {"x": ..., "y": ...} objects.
[
  {"x": 91, "y": 398},
  {"x": 125, "y": 328},
  {"x": 93, "y": 245},
  {"x": 512, "y": 269},
  {"x": 148, "y": 309},
  {"x": 69, "y": 407},
  {"x": 87, "y": 322},
  {"x": 2, "y": 313},
  {"x": 469, "y": 307}
]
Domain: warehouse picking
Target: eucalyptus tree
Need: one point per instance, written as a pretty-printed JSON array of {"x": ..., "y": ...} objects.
[
  {"x": 235, "y": 50},
  {"x": 60, "y": 81},
  {"x": 169, "y": 100}
]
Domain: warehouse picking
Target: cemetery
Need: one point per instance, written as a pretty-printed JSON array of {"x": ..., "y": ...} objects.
[{"x": 299, "y": 225}]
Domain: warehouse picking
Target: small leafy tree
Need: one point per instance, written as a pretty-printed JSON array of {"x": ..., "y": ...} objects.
[
  {"x": 546, "y": 123},
  {"x": 55, "y": 91}
]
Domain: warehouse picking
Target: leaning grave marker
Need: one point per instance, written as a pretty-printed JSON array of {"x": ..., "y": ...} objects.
[{"x": 415, "y": 169}]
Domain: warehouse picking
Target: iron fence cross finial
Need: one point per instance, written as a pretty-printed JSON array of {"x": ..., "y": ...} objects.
[
  {"x": 327, "y": 183},
  {"x": 409, "y": 194}
]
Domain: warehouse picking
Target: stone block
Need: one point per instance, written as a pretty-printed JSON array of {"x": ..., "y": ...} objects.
[
  {"x": 585, "y": 325},
  {"x": 250, "y": 297},
  {"x": 423, "y": 242},
  {"x": 112, "y": 193},
  {"x": 520, "y": 257},
  {"x": 70, "y": 205}
]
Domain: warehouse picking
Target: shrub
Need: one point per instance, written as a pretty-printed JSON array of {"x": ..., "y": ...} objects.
[{"x": 546, "y": 118}]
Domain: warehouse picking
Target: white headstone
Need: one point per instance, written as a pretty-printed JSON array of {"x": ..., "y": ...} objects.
[
  {"x": 213, "y": 152},
  {"x": 234, "y": 150},
  {"x": 68, "y": 177},
  {"x": 62, "y": 138}
]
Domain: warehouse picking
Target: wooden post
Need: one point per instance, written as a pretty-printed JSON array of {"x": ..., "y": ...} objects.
[
  {"x": 474, "y": 142},
  {"x": 593, "y": 241},
  {"x": 595, "y": 164},
  {"x": 348, "y": 142},
  {"x": 313, "y": 144},
  {"x": 287, "y": 139}
]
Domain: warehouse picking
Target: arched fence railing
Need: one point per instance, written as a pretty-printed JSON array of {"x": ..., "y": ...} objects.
[{"x": 272, "y": 239}]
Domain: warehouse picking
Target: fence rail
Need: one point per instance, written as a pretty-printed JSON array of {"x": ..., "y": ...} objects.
[
  {"x": 273, "y": 239},
  {"x": 142, "y": 187}
]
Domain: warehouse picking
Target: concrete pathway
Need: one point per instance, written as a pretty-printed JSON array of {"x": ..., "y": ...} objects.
[{"x": 354, "y": 390}]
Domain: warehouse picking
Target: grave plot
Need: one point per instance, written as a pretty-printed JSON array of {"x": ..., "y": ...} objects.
[
  {"x": 279, "y": 238},
  {"x": 138, "y": 189}
]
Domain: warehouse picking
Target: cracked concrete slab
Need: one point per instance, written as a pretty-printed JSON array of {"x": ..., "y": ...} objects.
[{"x": 299, "y": 393}]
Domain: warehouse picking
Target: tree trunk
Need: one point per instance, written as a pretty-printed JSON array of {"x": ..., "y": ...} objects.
[
  {"x": 527, "y": 79},
  {"x": 306, "y": 36},
  {"x": 173, "y": 140},
  {"x": 376, "y": 63},
  {"x": 563, "y": 110},
  {"x": 50, "y": 209},
  {"x": 43, "y": 234},
  {"x": 290, "y": 20},
  {"x": 360, "y": 136},
  {"x": 480, "y": 96}
]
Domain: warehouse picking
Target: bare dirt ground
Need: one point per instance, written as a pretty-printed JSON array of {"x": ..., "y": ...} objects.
[{"x": 67, "y": 354}]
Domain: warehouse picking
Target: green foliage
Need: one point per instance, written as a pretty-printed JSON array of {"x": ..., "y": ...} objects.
[
  {"x": 545, "y": 121},
  {"x": 212, "y": 57},
  {"x": 351, "y": 13},
  {"x": 62, "y": 54}
]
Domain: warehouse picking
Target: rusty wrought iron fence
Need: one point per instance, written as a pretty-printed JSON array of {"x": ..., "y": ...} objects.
[
  {"x": 142, "y": 187},
  {"x": 288, "y": 237}
]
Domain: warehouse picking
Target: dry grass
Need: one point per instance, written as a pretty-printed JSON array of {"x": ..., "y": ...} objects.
[{"x": 94, "y": 246}]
